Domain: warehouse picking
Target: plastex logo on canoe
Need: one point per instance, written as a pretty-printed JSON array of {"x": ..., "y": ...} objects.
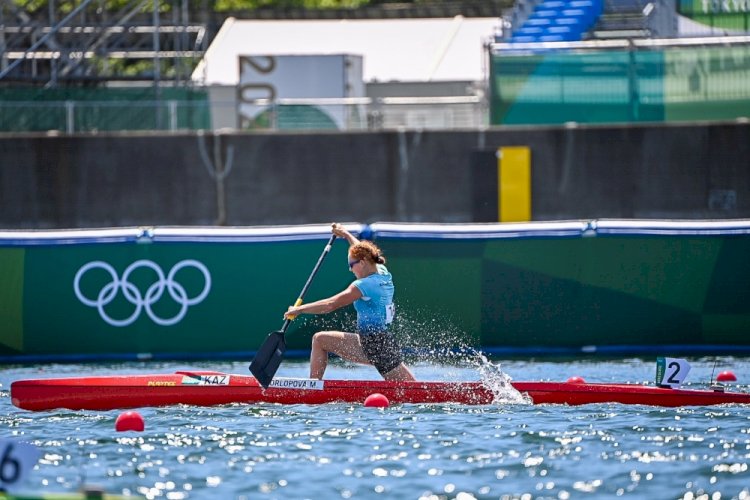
[{"x": 102, "y": 296}]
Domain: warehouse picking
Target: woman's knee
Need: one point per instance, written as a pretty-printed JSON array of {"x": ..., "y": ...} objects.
[{"x": 322, "y": 339}]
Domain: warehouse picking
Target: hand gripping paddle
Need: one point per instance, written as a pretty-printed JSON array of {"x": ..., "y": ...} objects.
[{"x": 269, "y": 356}]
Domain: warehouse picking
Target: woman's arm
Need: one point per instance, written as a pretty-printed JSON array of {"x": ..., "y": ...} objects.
[
  {"x": 341, "y": 232},
  {"x": 324, "y": 306}
]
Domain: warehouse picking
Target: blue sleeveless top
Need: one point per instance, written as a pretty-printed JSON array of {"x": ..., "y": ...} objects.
[{"x": 375, "y": 310}]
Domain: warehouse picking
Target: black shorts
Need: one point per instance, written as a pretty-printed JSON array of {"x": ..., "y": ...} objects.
[{"x": 382, "y": 350}]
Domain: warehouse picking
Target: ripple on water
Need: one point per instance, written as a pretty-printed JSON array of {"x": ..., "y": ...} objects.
[{"x": 405, "y": 451}]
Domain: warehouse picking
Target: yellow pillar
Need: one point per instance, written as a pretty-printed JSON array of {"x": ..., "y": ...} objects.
[{"x": 514, "y": 184}]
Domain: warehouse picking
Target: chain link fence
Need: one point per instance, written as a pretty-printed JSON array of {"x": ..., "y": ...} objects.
[{"x": 75, "y": 116}]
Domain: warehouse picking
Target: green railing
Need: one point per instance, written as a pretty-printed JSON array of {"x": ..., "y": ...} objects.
[{"x": 92, "y": 110}]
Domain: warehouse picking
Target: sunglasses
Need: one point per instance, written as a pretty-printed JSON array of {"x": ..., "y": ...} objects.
[{"x": 353, "y": 263}]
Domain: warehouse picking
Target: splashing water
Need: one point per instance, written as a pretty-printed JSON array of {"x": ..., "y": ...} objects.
[
  {"x": 436, "y": 341},
  {"x": 429, "y": 339},
  {"x": 496, "y": 380}
]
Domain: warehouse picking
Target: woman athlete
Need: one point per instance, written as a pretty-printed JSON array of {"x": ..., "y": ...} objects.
[{"x": 372, "y": 296}]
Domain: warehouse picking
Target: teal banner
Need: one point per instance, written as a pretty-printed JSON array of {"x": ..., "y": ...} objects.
[
  {"x": 211, "y": 292},
  {"x": 177, "y": 297}
]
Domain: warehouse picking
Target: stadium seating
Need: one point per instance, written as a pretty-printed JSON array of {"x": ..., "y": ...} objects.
[
  {"x": 569, "y": 20},
  {"x": 554, "y": 20}
]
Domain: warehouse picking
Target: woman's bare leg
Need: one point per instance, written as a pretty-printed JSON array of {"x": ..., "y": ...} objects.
[
  {"x": 345, "y": 345},
  {"x": 400, "y": 373}
]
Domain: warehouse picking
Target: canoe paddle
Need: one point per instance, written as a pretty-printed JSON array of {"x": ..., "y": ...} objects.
[{"x": 269, "y": 356}]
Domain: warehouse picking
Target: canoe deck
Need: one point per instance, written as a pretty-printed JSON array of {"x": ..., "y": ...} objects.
[{"x": 206, "y": 388}]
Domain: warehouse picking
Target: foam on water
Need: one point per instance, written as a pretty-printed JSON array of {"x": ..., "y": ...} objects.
[
  {"x": 446, "y": 344},
  {"x": 497, "y": 381}
]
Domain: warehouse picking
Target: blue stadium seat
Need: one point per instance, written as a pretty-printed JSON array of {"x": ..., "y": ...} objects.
[
  {"x": 559, "y": 20},
  {"x": 523, "y": 39},
  {"x": 542, "y": 23},
  {"x": 540, "y": 14},
  {"x": 530, "y": 31},
  {"x": 552, "y": 5}
]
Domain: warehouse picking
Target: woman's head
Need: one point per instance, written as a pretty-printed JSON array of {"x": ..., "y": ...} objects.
[{"x": 366, "y": 251}]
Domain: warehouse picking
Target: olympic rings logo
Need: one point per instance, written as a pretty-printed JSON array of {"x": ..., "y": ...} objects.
[{"x": 133, "y": 295}]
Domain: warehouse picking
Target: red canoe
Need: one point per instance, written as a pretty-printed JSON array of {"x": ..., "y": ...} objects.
[{"x": 204, "y": 388}]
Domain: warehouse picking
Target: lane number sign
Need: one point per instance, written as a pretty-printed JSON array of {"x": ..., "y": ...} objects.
[
  {"x": 671, "y": 372},
  {"x": 17, "y": 459}
]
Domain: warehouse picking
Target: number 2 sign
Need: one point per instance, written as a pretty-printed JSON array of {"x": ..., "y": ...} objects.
[{"x": 671, "y": 372}]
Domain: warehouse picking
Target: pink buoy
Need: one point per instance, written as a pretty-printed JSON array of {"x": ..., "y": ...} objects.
[
  {"x": 576, "y": 380},
  {"x": 377, "y": 400},
  {"x": 726, "y": 376},
  {"x": 130, "y": 421}
]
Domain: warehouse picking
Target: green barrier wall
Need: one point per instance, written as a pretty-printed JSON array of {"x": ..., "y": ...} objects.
[
  {"x": 598, "y": 291},
  {"x": 250, "y": 286},
  {"x": 619, "y": 86},
  {"x": 488, "y": 285},
  {"x": 607, "y": 286}
]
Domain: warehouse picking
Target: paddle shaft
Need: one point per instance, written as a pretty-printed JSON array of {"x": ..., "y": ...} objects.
[
  {"x": 269, "y": 356},
  {"x": 326, "y": 250}
]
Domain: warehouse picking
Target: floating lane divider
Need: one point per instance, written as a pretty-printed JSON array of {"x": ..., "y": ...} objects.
[
  {"x": 671, "y": 227},
  {"x": 489, "y": 230},
  {"x": 259, "y": 234},
  {"x": 10, "y": 238}
]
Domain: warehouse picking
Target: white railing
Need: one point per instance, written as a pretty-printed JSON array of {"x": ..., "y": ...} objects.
[{"x": 365, "y": 113}]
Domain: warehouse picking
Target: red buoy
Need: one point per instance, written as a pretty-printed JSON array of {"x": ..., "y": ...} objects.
[
  {"x": 576, "y": 380},
  {"x": 130, "y": 421},
  {"x": 726, "y": 376},
  {"x": 377, "y": 400}
]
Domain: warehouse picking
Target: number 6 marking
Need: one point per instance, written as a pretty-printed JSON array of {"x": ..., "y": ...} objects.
[
  {"x": 9, "y": 462},
  {"x": 16, "y": 460}
]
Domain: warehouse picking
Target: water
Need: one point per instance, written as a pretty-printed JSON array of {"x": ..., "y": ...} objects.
[{"x": 508, "y": 450}]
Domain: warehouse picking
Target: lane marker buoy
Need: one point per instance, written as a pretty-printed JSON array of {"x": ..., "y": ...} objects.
[
  {"x": 130, "y": 421},
  {"x": 377, "y": 400},
  {"x": 726, "y": 376}
]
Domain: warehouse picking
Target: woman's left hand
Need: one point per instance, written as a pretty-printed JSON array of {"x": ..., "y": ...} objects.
[{"x": 339, "y": 230}]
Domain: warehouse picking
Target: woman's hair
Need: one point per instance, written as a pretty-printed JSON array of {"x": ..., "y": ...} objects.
[{"x": 367, "y": 250}]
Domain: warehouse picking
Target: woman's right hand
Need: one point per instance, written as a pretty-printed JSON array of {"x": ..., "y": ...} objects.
[{"x": 291, "y": 313}]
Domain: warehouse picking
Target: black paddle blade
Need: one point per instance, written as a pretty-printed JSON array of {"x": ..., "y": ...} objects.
[{"x": 268, "y": 358}]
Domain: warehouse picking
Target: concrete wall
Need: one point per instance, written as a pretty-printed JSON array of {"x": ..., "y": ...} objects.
[
  {"x": 223, "y": 99},
  {"x": 643, "y": 171}
]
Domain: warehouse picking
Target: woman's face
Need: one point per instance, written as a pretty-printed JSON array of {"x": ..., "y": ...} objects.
[{"x": 356, "y": 265}]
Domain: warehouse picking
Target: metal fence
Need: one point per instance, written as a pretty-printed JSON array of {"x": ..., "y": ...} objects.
[
  {"x": 74, "y": 116},
  {"x": 100, "y": 116}
]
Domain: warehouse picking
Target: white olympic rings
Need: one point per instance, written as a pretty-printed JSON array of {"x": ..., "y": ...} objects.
[{"x": 133, "y": 295}]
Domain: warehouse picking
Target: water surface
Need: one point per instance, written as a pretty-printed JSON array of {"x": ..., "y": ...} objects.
[{"x": 508, "y": 450}]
